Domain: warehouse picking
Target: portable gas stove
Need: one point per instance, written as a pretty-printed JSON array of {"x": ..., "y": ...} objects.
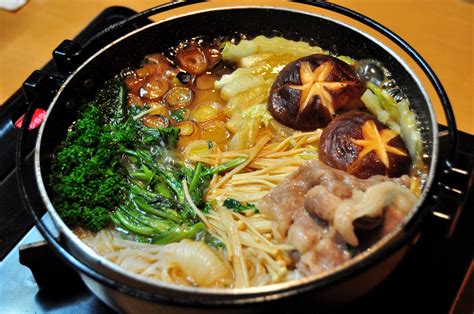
[{"x": 436, "y": 274}]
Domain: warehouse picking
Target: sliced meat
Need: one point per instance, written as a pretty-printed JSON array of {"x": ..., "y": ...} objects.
[
  {"x": 283, "y": 203},
  {"x": 288, "y": 199},
  {"x": 325, "y": 255},
  {"x": 333, "y": 196},
  {"x": 304, "y": 232},
  {"x": 395, "y": 214},
  {"x": 330, "y": 254},
  {"x": 322, "y": 203},
  {"x": 371, "y": 203}
]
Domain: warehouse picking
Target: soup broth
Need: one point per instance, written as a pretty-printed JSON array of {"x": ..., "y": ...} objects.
[{"x": 233, "y": 165}]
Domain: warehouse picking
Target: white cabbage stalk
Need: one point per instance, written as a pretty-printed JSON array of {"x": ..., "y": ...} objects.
[
  {"x": 261, "y": 44},
  {"x": 397, "y": 116}
]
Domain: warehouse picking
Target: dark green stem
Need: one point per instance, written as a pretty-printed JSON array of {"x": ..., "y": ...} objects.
[
  {"x": 225, "y": 166},
  {"x": 179, "y": 233},
  {"x": 166, "y": 213},
  {"x": 196, "y": 176}
]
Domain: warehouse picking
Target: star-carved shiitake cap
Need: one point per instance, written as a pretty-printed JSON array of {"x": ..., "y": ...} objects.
[
  {"x": 359, "y": 144},
  {"x": 310, "y": 91}
]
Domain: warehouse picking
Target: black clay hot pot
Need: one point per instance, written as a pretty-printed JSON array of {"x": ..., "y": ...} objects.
[{"x": 82, "y": 70}]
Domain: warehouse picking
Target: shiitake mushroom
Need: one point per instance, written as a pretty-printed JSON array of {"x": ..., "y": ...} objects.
[
  {"x": 308, "y": 92},
  {"x": 359, "y": 144}
]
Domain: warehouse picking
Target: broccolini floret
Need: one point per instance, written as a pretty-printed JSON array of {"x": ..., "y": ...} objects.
[
  {"x": 112, "y": 169},
  {"x": 87, "y": 179}
]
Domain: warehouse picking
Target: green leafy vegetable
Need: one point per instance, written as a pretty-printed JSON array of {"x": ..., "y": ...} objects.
[
  {"x": 86, "y": 176},
  {"x": 179, "y": 233},
  {"x": 178, "y": 115},
  {"x": 168, "y": 137},
  {"x": 113, "y": 169},
  {"x": 238, "y": 207},
  {"x": 132, "y": 224},
  {"x": 209, "y": 239},
  {"x": 225, "y": 166},
  {"x": 157, "y": 211},
  {"x": 112, "y": 101}
]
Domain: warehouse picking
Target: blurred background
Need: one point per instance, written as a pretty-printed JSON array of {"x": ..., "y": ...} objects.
[{"x": 440, "y": 30}]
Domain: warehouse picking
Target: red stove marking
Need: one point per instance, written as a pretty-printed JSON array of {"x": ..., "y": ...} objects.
[{"x": 36, "y": 120}]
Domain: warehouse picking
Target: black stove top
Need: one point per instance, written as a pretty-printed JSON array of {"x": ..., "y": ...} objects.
[{"x": 430, "y": 277}]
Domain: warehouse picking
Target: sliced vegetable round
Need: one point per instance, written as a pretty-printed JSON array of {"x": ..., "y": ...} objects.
[
  {"x": 179, "y": 97},
  {"x": 145, "y": 70},
  {"x": 154, "y": 88},
  {"x": 189, "y": 131},
  {"x": 205, "y": 81},
  {"x": 134, "y": 84},
  {"x": 187, "y": 128},
  {"x": 156, "y": 121},
  {"x": 213, "y": 56},
  {"x": 207, "y": 111},
  {"x": 192, "y": 59},
  {"x": 308, "y": 92},
  {"x": 214, "y": 130},
  {"x": 358, "y": 143},
  {"x": 199, "y": 148},
  {"x": 158, "y": 108},
  {"x": 157, "y": 59}
]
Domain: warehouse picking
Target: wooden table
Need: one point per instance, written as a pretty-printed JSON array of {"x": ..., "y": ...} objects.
[{"x": 441, "y": 30}]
